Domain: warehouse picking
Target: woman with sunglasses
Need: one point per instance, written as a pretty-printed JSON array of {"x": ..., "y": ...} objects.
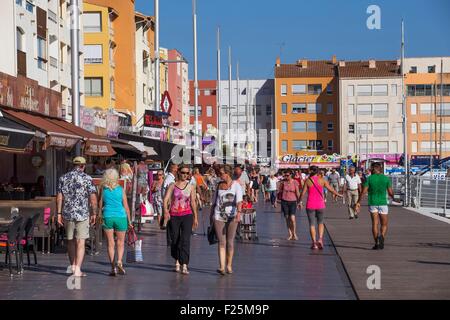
[
  {"x": 225, "y": 216},
  {"x": 290, "y": 198},
  {"x": 157, "y": 195},
  {"x": 180, "y": 207}
]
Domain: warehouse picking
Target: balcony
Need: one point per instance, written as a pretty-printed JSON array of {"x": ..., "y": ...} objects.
[
  {"x": 93, "y": 60},
  {"x": 54, "y": 62},
  {"x": 52, "y": 16}
]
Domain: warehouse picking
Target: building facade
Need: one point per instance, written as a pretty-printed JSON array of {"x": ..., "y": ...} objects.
[
  {"x": 370, "y": 104},
  {"x": 306, "y": 108},
  {"x": 428, "y": 123},
  {"x": 207, "y": 106},
  {"x": 176, "y": 86}
]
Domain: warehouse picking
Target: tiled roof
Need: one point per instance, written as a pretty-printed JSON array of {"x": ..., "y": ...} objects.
[
  {"x": 360, "y": 69},
  {"x": 318, "y": 68}
]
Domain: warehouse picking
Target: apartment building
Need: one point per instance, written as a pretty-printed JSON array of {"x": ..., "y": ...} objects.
[
  {"x": 239, "y": 122},
  {"x": 110, "y": 76},
  {"x": 423, "y": 104},
  {"x": 370, "y": 107},
  {"x": 35, "y": 62},
  {"x": 177, "y": 78},
  {"x": 306, "y": 108},
  {"x": 163, "y": 70},
  {"x": 145, "y": 72},
  {"x": 207, "y": 106}
]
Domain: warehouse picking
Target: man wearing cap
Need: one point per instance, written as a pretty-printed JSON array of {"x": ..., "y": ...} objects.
[{"x": 75, "y": 191}]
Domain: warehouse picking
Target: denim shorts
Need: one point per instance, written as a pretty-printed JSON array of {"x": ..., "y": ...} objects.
[
  {"x": 288, "y": 208},
  {"x": 379, "y": 209}
]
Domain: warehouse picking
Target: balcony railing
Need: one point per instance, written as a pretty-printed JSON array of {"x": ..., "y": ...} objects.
[
  {"x": 52, "y": 16},
  {"x": 53, "y": 62},
  {"x": 93, "y": 60}
]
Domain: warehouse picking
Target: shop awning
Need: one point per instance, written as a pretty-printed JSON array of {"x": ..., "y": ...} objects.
[
  {"x": 162, "y": 148},
  {"x": 143, "y": 148},
  {"x": 94, "y": 145},
  {"x": 57, "y": 136},
  {"x": 14, "y": 137}
]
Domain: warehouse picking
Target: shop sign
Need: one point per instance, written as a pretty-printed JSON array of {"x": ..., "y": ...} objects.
[
  {"x": 87, "y": 119},
  {"x": 389, "y": 157},
  {"x": 112, "y": 126},
  {"x": 100, "y": 119},
  {"x": 153, "y": 133},
  {"x": 155, "y": 118},
  {"x": 59, "y": 142},
  {"x": 289, "y": 158},
  {"x": 96, "y": 149},
  {"x": 4, "y": 140}
]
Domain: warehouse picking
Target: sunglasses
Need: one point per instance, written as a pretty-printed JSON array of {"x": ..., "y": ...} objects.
[
  {"x": 184, "y": 172},
  {"x": 159, "y": 174}
]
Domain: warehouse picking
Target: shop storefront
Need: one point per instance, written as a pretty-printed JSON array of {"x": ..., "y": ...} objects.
[
  {"x": 290, "y": 161},
  {"x": 391, "y": 162}
]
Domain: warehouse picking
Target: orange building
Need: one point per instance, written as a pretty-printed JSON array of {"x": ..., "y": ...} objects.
[
  {"x": 423, "y": 89},
  {"x": 123, "y": 33},
  {"x": 306, "y": 108}
]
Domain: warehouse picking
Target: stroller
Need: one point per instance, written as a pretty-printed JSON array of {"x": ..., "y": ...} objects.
[{"x": 247, "y": 226}]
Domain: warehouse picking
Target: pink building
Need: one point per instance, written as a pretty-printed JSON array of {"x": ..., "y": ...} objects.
[{"x": 177, "y": 75}]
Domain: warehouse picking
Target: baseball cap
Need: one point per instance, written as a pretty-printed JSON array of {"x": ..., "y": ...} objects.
[{"x": 79, "y": 160}]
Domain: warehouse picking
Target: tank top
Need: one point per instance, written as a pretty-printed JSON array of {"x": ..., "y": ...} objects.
[
  {"x": 181, "y": 201},
  {"x": 315, "y": 195},
  {"x": 289, "y": 190},
  {"x": 112, "y": 202}
]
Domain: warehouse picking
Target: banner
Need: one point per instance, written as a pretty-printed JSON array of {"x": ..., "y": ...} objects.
[{"x": 112, "y": 126}]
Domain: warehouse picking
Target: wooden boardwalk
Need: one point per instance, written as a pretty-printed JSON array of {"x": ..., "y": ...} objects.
[
  {"x": 273, "y": 268},
  {"x": 415, "y": 263}
]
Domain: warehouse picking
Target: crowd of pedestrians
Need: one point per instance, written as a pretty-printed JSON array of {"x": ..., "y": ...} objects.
[{"x": 228, "y": 191}]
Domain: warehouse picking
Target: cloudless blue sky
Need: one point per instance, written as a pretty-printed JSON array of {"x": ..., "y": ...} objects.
[{"x": 256, "y": 30}]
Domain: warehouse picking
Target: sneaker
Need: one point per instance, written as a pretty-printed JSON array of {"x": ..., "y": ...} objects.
[
  {"x": 376, "y": 247},
  {"x": 381, "y": 242}
]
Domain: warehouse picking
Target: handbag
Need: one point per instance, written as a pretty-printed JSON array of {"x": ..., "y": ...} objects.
[
  {"x": 280, "y": 193},
  {"x": 131, "y": 237},
  {"x": 134, "y": 252},
  {"x": 212, "y": 237}
]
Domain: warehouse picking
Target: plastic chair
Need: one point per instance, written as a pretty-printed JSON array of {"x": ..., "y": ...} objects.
[
  {"x": 10, "y": 242},
  {"x": 28, "y": 240}
]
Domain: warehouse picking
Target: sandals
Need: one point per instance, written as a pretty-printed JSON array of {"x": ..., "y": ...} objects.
[
  {"x": 222, "y": 272},
  {"x": 320, "y": 244},
  {"x": 113, "y": 272},
  {"x": 229, "y": 270},
  {"x": 185, "y": 270},
  {"x": 314, "y": 246},
  {"x": 177, "y": 267},
  {"x": 120, "y": 268}
]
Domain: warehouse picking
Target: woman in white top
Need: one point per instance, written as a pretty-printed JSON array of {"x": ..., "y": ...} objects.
[
  {"x": 225, "y": 216},
  {"x": 272, "y": 188}
]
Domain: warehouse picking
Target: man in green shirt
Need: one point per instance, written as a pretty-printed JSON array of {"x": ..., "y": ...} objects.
[{"x": 378, "y": 186}]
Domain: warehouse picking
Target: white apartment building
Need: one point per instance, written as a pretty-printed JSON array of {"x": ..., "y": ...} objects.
[
  {"x": 255, "y": 112},
  {"x": 185, "y": 97},
  {"x": 145, "y": 67},
  {"x": 370, "y": 102},
  {"x": 36, "y": 40}
]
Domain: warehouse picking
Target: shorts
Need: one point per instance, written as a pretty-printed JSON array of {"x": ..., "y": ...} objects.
[
  {"x": 315, "y": 216},
  {"x": 77, "y": 229},
  {"x": 288, "y": 208},
  {"x": 379, "y": 209},
  {"x": 116, "y": 223},
  {"x": 335, "y": 186}
]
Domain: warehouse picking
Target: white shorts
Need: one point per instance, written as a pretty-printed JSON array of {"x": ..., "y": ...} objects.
[{"x": 379, "y": 209}]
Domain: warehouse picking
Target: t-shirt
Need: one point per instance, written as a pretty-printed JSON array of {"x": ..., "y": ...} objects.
[
  {"x": 243, "y": 180},
  {"x": 352, "y": 183},
  {"x": 226, "y": 202},
  {"x": 378, "y": 185},
  {"x": 289, "y": 190},
  {"x": 273, "y": 184},
  {"x": 334, "y": 177}
]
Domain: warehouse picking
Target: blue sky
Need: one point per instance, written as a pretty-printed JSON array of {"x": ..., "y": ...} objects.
[{"x": 257, "y": 30}]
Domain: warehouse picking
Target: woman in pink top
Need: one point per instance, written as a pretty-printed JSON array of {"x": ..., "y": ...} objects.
[
  {"x": 180, "y": 206},
  {"x": 315, "y": 204},
  {"x": 290, "y": 196}
]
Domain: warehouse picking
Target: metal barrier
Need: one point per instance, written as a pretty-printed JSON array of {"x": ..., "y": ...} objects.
[{"x": 427, "y": 192}]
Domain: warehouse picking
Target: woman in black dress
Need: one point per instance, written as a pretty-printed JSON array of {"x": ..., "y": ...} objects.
[{"x": 255, "y": 185}]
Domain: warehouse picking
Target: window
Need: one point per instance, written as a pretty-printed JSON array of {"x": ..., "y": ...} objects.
[
  {"x": 414, "y": 127},
  {"x": 413, "y": 109},
  {"x": 330, "y": 145},
  {"x": 315, "y": 144},
  {"x": 381, "y": 147},
  {"x": 192, "y": 112},
  {"x": 284, "y": 127},
  {"x": 283, "y": 89},
  {"x": 413, "y": 69},
  {"x": 364, "y": 109},
  {"x": 445, "y": 89},
  {"x": 399, "y": 109},
  {"x": 414, "y": 146},
  {"x": 427, "y": 127},
  {"x": 394, "y": 147},
  {"x": 42, "y": 53},
  {"x": 145, "y": 58},
  {"x": 29, "y": 6},
  {"x": 443, "y": 109},
  {"x": 209, "y": 111},
  {"x": 351, "y": 147},
  {"x": 380, "y": 90},
  {"x": 92, "y": 22},
  {"x": 299, "y": 145},
  {"x": 268, "y": 110},
  {"x": 199, "y": 111},
  {"x": 330, "y": 127},
  {"x": 93, "y": 87},
  {"x": 350, "y": 91},
  {"x": 398, "y": 129},
  {"x": 351, "y": 110},
  {"x": 427, "y": 146},
  {"x": 364, "y": 90},
  {"x": 144, "y": 93},
  {"x": 445, "y": 127},
  {"x": 284, "y": 145},
  {"x": 298, "y": 89},
  {"x": 207, "y": 92},
  {"x": 298, "y": 108},
  {"x": 315, "y": 126},
  {"x": 314, "y": 108},
  {"x": 284, "y": 108},
  {"x": 351, "y": 128},
  {"x": 93, "y": 54},
  {"x": 365, "y": 147},
  {"x": 426, "y": 108},
  {"x": 20, "y": 38},
  {"x": 19, "y": 2},
  {"x": 420, "y": 90},
  {"x": 431, "y": 69},
  {"x": 381, "y": 129},
  {"x": 364, "y": 128},
  {"x": 258, "y": 111},
  {"x": 393, "y": 90},
  {"x": 380, "y": 110},
  {"x": 299, "y": 126},
  {"x": 315, "y": 89},
  {"x": 112, "y": 88},
  {"x": 329, "y": 89},
  {"x": 329, "y": 108}
]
